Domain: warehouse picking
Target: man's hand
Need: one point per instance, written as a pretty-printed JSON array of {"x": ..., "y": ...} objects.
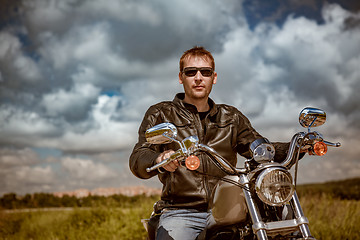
[
  {"x": 307, "y": 150},
  {"x": 171, "y": 167}
]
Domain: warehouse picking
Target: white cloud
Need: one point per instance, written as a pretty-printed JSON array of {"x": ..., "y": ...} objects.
[
  {"x": 102, "y": 133},
  {"x": 70, "y": 103},
  {"x": 87, "y": 170},
  {"x": 21, "y": 172},
  {"x": 23, "y": 127},
  {"x": 27, "y": 179},
  {"x": 12, "y": 158},
  {"x": 279, "y": 71},
  {"x": 35, "y": 175}
]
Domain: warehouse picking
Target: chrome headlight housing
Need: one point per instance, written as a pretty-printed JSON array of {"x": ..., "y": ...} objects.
[{"x": 274, "y": 186}]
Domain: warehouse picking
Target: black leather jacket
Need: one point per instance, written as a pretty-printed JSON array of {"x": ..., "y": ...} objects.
[{"x": 224, "y": 128}]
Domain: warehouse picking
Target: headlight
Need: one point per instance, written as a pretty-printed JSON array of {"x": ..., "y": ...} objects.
[{"x": 274, "y": 186}]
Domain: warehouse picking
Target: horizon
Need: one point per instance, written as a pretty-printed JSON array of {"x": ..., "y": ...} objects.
[{"x": 146, "y": 190}]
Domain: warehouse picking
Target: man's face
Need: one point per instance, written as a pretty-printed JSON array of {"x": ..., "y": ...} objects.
[{"x": 197, "y": 87}]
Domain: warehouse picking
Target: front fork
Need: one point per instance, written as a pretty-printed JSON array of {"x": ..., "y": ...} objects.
[
  {"x": 299, "y": 215},
  {"x": 260, "y": 228}
]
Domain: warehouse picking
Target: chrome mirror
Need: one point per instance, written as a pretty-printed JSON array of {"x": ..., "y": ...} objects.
[
  {"x": 161, "y": 134},
  {"x": 312, "y": 117}
]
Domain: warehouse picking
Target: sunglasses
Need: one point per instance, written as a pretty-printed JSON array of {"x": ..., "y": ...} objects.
[{"x": 192, "y": 71}]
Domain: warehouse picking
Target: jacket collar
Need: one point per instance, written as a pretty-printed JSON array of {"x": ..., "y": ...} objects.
[{"x": 179, "y": 99}]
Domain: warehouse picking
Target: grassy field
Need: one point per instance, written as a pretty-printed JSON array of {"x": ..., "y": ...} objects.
[
  {"x": 330, "y": 218},
  {"x": 81, "y": 223}
]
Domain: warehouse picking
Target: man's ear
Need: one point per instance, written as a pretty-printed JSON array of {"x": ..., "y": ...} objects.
[
  {"x": 215, "y": 78},
  {"x": 180, "y": 78}
]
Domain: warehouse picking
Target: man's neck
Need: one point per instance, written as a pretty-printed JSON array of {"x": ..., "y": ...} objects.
[{"x": 201, "y": 105}]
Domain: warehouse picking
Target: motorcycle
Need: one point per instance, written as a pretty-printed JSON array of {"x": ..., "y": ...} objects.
[{"x": 258, "y": 201}]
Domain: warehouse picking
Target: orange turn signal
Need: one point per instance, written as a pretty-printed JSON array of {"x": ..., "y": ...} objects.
[
  {"x": 320, "y": 148},
  {"x": 192, "y": 162}
]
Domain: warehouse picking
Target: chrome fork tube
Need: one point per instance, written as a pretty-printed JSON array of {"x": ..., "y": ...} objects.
[
  {"x": 258, "y": 224},
  {"x": 299, "y": 215}
]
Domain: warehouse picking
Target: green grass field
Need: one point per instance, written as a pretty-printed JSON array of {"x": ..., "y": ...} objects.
[
  {"x": 329, "y": 219},
  {"x": 332, "y": 219},
  {"x": 81, "y": 223},
  {"x": 333, "y": 210}
]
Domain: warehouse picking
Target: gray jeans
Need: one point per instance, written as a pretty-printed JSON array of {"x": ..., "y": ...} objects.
[{"x": 184, "y": 224}]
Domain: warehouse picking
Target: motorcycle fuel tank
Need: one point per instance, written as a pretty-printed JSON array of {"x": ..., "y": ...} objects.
[{"x": 228, "y": 204}]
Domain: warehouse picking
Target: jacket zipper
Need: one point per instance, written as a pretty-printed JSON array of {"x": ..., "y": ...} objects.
[{"x": 200, "y": 132}]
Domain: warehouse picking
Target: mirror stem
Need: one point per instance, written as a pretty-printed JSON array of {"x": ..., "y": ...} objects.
[
  {"x": 311, "y": 124},
  {"x": 182, "y": 146}
]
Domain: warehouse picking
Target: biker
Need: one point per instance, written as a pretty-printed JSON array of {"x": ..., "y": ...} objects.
[{"x": 185, "y": 194}]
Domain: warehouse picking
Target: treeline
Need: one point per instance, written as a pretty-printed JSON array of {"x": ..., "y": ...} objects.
[
  {"x": 346, "y": 189},
  {"x": 48, "y": 200}
]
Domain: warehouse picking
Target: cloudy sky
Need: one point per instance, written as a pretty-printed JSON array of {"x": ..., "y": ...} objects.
[{"x": 76, "y": 77}]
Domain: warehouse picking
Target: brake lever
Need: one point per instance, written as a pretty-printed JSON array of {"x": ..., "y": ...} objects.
[{"x": 338, "y": 144}]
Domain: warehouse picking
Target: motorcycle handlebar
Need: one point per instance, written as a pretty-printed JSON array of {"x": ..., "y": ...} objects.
[
  {"x": 178, "y": 155},
  {"x": 297, "y": 138},
  {"x": 220, "y": 161},
  {"x": 227, "y": 167}
]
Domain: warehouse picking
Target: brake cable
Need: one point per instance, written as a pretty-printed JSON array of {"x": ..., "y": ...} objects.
[{"x": 224, "y": 180}]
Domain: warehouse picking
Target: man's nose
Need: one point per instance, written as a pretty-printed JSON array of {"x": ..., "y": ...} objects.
[{"x": 198, "y": 76}]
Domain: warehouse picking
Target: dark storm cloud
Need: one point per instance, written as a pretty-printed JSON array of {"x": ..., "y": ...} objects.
[
  {"x": 276, "y": 11},
  {"x": 134, "y": 25},
  {"x": 59, "y": 56},
  {"x": 77, "y": 76},
  {"x": 322, "y": 66}
]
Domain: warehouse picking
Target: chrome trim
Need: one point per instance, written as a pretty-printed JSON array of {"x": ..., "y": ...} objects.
[
  {"x": 299, "y": 214},
  {"x": 161, "y": 134},
  {"x": 257, "y": 142},
  {"x": 312, "y": 117},
  {"x": 332, "y": 144},
  {"x": 289, "y": 161},
  {"x": 253, "y": 211},
  {"x": 262, "y": 150},
  {"x": 285, "y": 226},
  {"x": 219, "y": 159}
]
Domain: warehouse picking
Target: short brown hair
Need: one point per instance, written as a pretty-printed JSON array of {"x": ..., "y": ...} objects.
[{"x": 194, "y": 52}]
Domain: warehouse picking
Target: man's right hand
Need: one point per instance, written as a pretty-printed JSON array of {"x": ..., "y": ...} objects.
[{"x": 171, "y": 167}]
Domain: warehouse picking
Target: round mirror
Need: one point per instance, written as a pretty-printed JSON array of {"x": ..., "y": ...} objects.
[{"x": 312, "y": 117}]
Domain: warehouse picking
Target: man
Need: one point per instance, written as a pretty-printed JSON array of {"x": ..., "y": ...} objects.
[{"x": 185, "y": 194}]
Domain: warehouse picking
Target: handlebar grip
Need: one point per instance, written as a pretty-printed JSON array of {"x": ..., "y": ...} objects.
[
  {"x": 158, "y": 165},
  {"x": 177, "y": 155}
]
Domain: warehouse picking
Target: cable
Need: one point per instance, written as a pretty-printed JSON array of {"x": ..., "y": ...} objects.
[{"x": 224, "y": 180}]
